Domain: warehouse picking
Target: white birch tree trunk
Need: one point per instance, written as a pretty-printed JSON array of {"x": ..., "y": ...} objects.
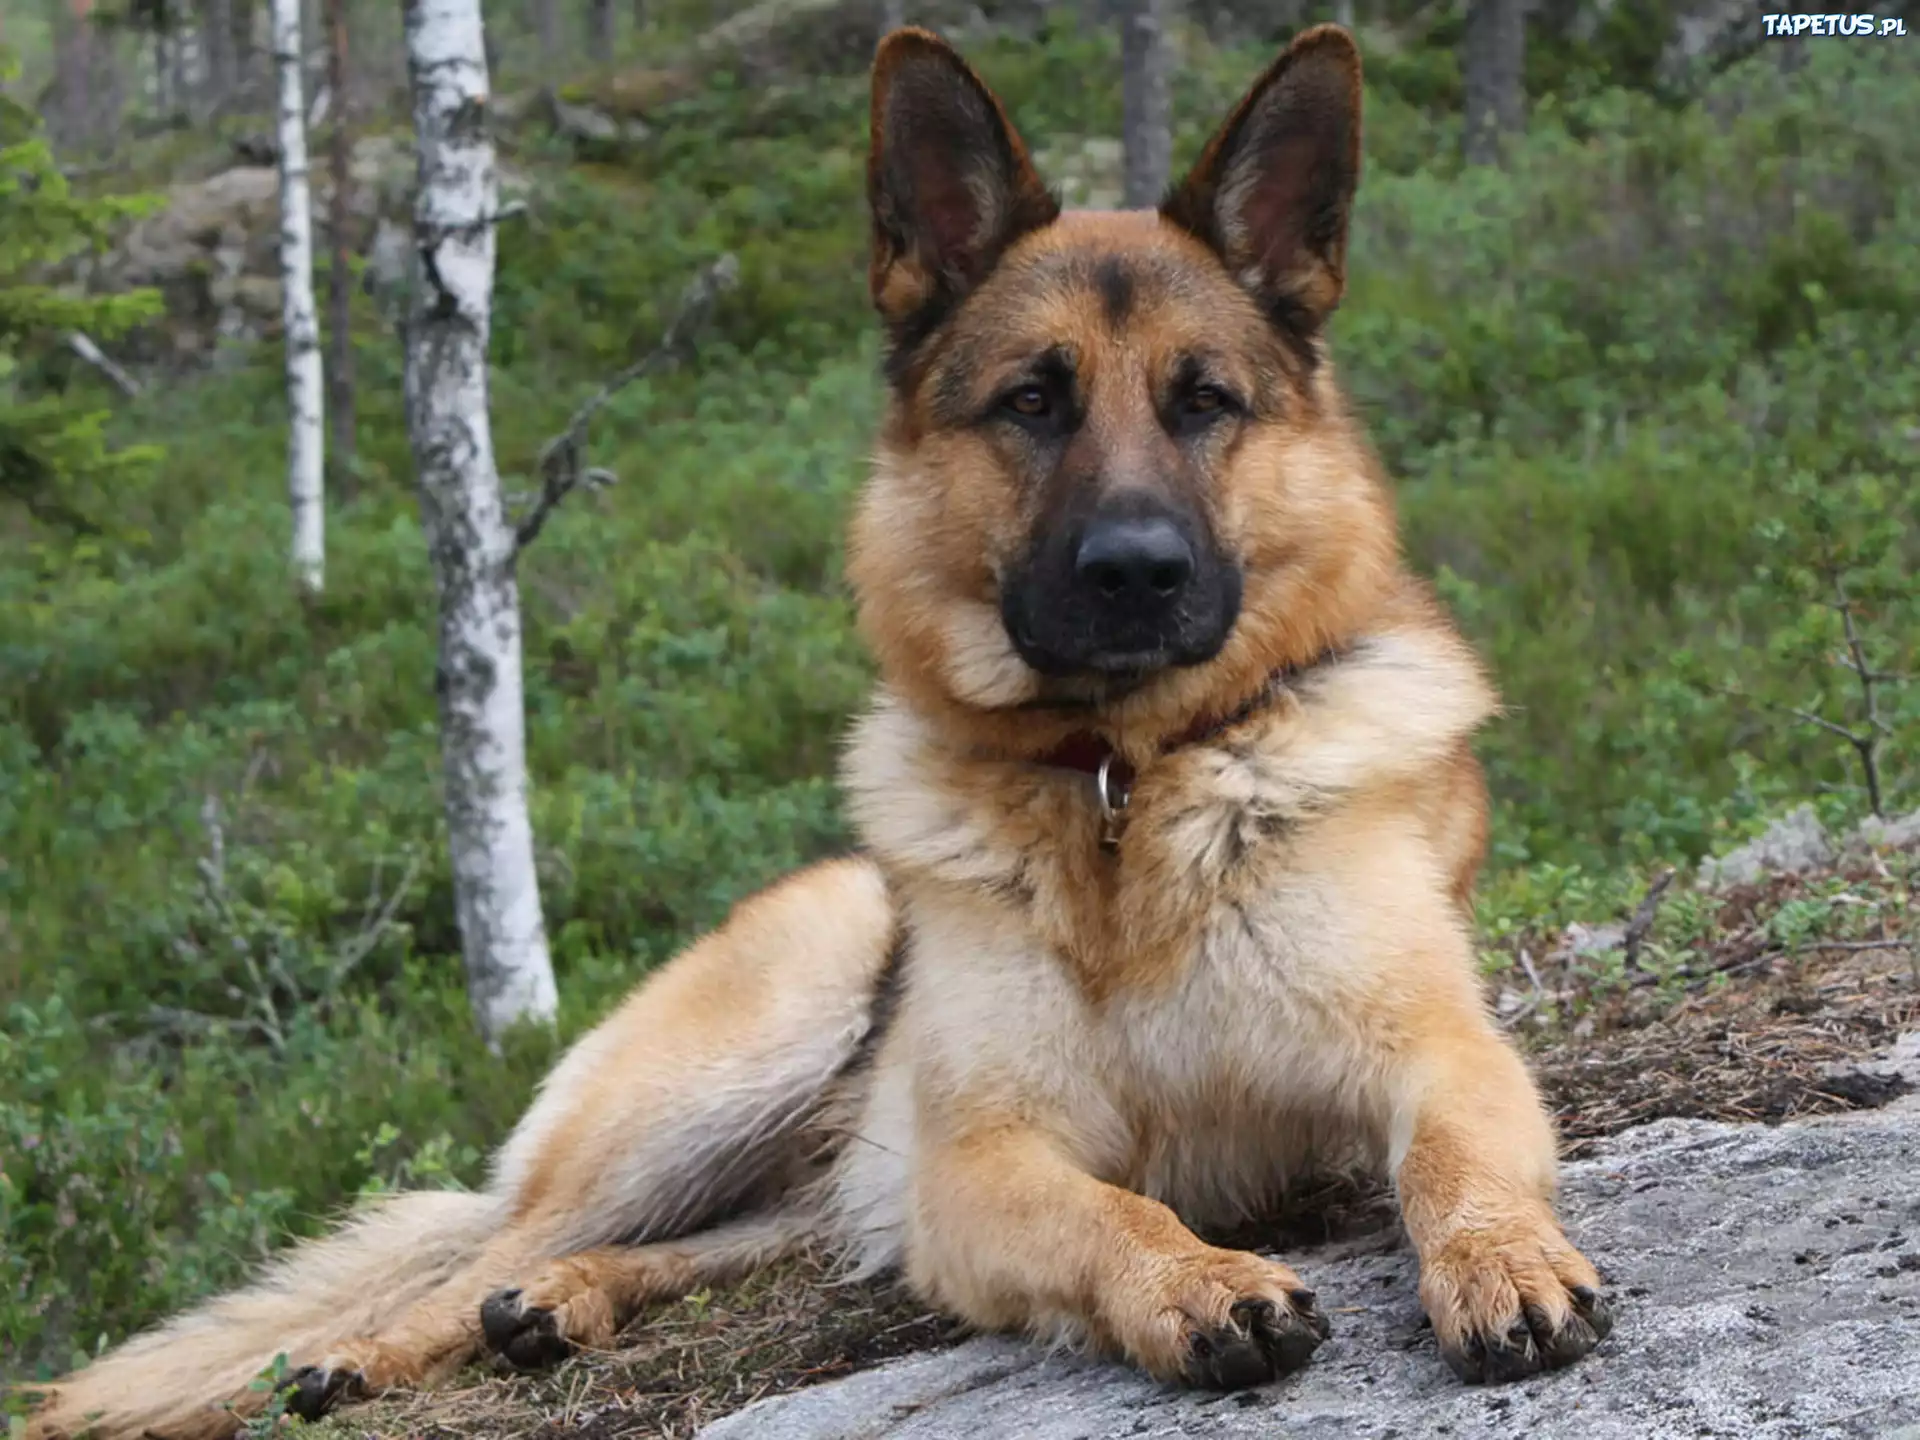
[
  {"x": 305, "y": 454},
  {"x": 482, "y": 719}
]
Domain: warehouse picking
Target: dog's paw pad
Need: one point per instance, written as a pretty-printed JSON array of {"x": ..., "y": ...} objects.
[
  {"x": 526, "y": 1338},
  {"x": 313, "y": 1390}
]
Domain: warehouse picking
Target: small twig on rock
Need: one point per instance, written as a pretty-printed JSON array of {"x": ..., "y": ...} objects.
[
  {"x": 1642, "y": 922},
  {"x": 1812, "y": 946},
  {"x": 82, "y": 345},
  {"x": 562, "y": 459}
]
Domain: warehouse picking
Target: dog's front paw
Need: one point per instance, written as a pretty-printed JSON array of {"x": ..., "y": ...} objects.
[
  {"x": 1260, "y": 1342},
  {"x": 1509, "y": 1303},
  {"x": 1225, "y": 1320}
]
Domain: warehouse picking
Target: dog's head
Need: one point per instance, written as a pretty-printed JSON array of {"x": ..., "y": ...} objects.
[{"x": 1116, "y": 477}]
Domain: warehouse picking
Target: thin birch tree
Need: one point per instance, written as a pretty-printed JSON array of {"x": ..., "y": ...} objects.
[
  {"x": 469, "y": 538},
  {"x": 305, "y": 446}
]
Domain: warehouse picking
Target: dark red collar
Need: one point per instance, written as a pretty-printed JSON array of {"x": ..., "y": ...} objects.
[
  {"x": 1087, "y": 751},
  {"x": 1092, "y": 754}
]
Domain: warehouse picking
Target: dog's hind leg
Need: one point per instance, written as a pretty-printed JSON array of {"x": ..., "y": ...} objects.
[
  {"x": 425, "y": 1343},
  {"x": 584, "y": 1300},
  {"x": 680, "y": 1110}
]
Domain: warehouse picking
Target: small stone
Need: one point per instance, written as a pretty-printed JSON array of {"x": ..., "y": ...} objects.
[{"x": 1873, "y": 833}]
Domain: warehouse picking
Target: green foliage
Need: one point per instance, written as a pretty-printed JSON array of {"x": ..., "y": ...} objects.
[
  {"x": 1637, "y": 390},
  {"x": 1837, "y": 551},
  {"x": 1593, "y": 373},
  {"x": 54, "y": 454}
]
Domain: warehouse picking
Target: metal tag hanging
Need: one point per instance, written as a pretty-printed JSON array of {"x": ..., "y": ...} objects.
[{"x": 1114, "y": 791}]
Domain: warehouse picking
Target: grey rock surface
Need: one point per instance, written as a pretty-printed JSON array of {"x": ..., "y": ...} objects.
[
  {"x": 1900, "y": 833},
  {"x": 1792, "y": 845},
  {"x": 1766, "y": 1280}
]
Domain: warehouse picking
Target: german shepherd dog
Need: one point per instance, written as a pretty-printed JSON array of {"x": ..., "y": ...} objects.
[{"x": 1170, "y": 825}]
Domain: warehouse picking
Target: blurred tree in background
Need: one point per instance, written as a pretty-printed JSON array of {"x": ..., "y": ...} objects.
[{"x": 55, "y": 458}]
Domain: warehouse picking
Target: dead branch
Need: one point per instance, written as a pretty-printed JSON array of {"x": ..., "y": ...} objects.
[
  {"x": 1865, "y": 745},
  {"x": 82, "y": 345},
  {"x": 1868, "y": 746},
  {"x": 374, "y": 924},
  {"x": 1642, "y": 921},
  {"x": 562, "y": 462}
]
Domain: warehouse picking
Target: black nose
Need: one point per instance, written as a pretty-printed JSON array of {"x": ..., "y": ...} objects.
[{"x": 1135, "y": 564}]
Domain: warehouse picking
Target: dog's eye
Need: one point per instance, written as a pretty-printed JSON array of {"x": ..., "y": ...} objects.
[
  {"x": 1205, "y": 400},
  {"x": 1029, "y": 400}
]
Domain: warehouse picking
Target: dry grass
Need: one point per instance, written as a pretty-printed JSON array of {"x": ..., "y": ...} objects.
[
  {"x": 685, "y": 1365},
  {"x": 1755, "y": 1006}
]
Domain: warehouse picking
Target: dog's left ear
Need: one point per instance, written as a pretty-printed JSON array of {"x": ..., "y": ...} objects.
[{"x": 1272, "y": 191}]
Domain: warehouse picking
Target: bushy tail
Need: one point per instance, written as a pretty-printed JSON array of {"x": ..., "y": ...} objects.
[{"x": 189, "y": 1379}]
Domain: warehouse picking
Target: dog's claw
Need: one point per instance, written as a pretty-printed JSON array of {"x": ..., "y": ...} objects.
[
  {"x": 1260, "y": 1342},
  {"x": 1532, "y": 1342}
]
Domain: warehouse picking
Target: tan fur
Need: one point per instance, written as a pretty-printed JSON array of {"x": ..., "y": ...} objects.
[{"x": 1018, "y": 1067}]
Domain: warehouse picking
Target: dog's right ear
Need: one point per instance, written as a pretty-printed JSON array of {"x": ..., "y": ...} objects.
[{"x": 948, "y": 180}]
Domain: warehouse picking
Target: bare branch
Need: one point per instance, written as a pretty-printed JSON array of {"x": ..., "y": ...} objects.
[
  {"x": 82, "y": 345},
  {"x": 1812, "y": 946},
  {"x": 373, "y": 927},
  {"x": 1793, "y": 710},
  {"x": 1868, "y": 745},
  {"x": 1642, "y": 921},
  {"x": 1812, "y": 719},
  {"x": 561, "y": 463}
]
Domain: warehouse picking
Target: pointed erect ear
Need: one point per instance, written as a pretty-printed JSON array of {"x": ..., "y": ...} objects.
[
  {"x": 948, "y": 180},
  {"x": 1272, "y": 191}
]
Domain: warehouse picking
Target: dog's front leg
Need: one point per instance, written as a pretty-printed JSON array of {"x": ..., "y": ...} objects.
[
  {"x": 1009, "y": 1234},
  {"x": 1507, "y": 1294}
]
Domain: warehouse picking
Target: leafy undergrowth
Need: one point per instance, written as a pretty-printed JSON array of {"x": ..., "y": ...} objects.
[
  {"x": 1756, "y": 1004},
  {"x": 1764, "y": 1003}
]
